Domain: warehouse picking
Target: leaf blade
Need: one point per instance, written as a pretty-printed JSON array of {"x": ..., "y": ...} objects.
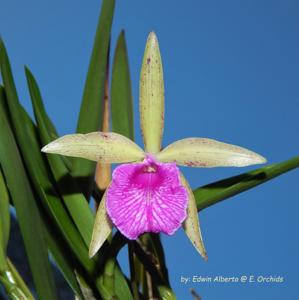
[
  {"x": 91, "y": 112},
  {"x": 24, "y": 130},
  {"x": 42, "y": 179},
  {"x": 121, "y": 91},
  {"x": 75, "y": 202},
  {"x": 4, "y": 221},
  {"x": 220, "y": 190},
  {"x": 62, "y": 258},
  {"x": 23, "y": 199}
]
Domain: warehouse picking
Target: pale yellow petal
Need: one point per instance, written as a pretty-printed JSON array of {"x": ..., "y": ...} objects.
[
  {"x": 151, "y": 103},
  {"x": 191, "y": 224},
  {"x": 202, "y": 152},
  {"x": 102, "y": 228},
  {"x": 105, "y": 147}
]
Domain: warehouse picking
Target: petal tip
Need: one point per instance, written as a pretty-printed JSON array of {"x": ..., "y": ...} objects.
[
  {"x": 258, "y": 159},
  {"x": 263, "y": 160},
  {"x": 152, "y": 45},
  {"x": 92, "y": 252},
  {"x": 152, "y": 37},
  {"x": 53, "y": 147},
  {"x": 95, "y": 246},
  {"x": 203, "y": 253},
  {"x": 199, "y": 246},
  {"x": 47, "y": 148}
]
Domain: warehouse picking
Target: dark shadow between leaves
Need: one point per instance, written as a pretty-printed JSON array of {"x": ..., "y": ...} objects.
[{"x": 69, "y": 185}]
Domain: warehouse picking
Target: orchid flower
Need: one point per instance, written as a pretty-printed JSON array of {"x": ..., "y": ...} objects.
[{"x": 148, "y": 193}]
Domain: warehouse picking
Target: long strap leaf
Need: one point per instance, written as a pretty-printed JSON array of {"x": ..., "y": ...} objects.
[
  {"x": 39, "y": 174},
  {"x": 63, "y": 258},
  {"x": 4, "y": 222},
  {"x": 40, "y": 178},
  {"x": 45, "y": 189},
  {"x": 26, "y": 208},
  {"x": 28, "y": 143},
  {"x": 220, "y": 190},
  {"x": 19, "y": 280},
  {"x": 121, "y": 91},
  {"x": 76, "y": 203},
  {"x": 74, "y": 200},
  {"x": 91, "y": 113}
]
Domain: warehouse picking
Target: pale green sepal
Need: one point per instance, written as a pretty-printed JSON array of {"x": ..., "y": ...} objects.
[
  {"x": 102, "y": 228},
  {"x": 104, "y": 147},
  {"x": 85, "y": 289},
  {"x": 191, "y": 224},
  {"x": 151, "y": 102},
  {"x": 202, "y": 152}
]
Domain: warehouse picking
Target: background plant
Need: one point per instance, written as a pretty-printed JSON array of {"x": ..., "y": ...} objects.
[{"x": 49, "y": 194}]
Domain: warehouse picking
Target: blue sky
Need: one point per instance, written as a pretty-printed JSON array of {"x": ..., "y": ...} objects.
[{"x": 231, "y": 73}]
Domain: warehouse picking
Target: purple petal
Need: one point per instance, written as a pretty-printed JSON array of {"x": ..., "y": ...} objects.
[{"x": 146, "y": 197}]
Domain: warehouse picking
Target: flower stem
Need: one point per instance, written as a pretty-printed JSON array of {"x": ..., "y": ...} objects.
[
  {"x": 134, "y": 279},
  {"x": 103, "y": 171}
]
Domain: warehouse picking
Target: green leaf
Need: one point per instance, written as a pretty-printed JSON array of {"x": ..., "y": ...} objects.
[
  {"x": 44, "y": 186},
  {"x": 23, "y": 199},
  {"x": 75, "y": 202},
  {"x": 214, "y": 192},
  {"x": 121, "y": 91},
  {"x": 4, "y": 221},
  {"x": 87, "y": 293},
  {"x": 108, "y": 276},
  {"x": 91, "y": 113},
  {"x": 62, "y": 257},
  {"x": 41, "y": 179},
  {"x": 40, "y": 175},
  {"x": 122, "y": 289},
  {"x": 3, "y": 262},
  {"x": 114, "y": 283},
  {"x": 12, "y": 290},
  {"x": 166, "y": 293},
  {"x": 19, "y": 280}
]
